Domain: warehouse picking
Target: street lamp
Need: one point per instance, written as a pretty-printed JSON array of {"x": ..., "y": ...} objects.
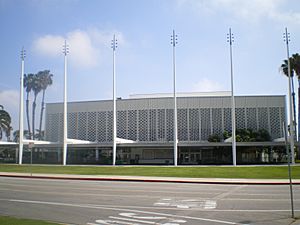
[
  {"x": 114, "y": 46},
  {"x": 65, "y": 138},
  {"x": 21, "y": 112},
  {"x": 174, "y": 42},
  {"x": 230, "y": 40},
  {"x": 286, "y": 38}
]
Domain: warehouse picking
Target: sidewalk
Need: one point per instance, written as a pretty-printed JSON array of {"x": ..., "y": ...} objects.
[{"x": 151, "y": 179}]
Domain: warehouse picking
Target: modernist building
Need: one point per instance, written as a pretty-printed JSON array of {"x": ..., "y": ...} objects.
[{"x": 145, "y": 128}]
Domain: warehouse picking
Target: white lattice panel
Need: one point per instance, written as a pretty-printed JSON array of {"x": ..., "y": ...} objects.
[
  {"x": 82, "y": 126},
  {"x": 122, "y": 124},
  {"x": 217, "y": 121},
  {"x": 170, "y": 124},
  {"x": 101, "y": 126},
  {"x": 263, "y": 118},
  {"x": 194, "y": 125},
  {"x": 132, "y": 125},
  {"x": 143, "y": 125},
  {"x": 182, "y": 124},
  {"x": 251, "y": 118},
  {"x": 205, "y": 123},
  {"x": 92, "y": 126},
  {"x": 152, "y": 125}
]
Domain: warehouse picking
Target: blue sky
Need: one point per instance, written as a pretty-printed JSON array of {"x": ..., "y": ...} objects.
[{"x": 144, "y": 53}]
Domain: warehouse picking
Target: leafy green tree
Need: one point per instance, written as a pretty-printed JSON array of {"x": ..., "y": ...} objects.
[
  {"x": 262, "y": 135},
  {"x": 248, "y": 135},
  {"x": 226, "y": 135},
  {"x": 45, "y": 79},
  {"x": 214, "y": 138},
  {"x": 5, "y": 123}
]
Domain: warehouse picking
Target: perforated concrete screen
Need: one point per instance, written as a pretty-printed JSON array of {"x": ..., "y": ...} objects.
[{"x": 151, "y": 120}]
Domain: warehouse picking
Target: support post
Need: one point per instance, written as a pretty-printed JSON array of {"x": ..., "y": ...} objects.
[
  {"x": 174, "y": 42},
  {"x": 21, "y": 110},
  {"x": 230, "y": 39}
]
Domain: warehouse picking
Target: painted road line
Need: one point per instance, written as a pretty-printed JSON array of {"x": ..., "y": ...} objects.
[
  {"x": 187, "y": 203},
  {"x": 128, "y": 218},
  {"x": 133, "y": 220},
  {"x": 133, "y": 215},
  {"x": 135, "y": 209},
  {"x": 231, "y": 191},
  {"x": 120, "y": 209},
  {"x": 77, "y": 194}
]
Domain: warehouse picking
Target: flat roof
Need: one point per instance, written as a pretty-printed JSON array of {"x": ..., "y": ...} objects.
[
  {"x": 182, "y": 94},
  {"x": 170, "y": 95}
]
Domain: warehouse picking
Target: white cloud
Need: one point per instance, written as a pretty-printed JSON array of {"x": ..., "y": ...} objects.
[
  {"x": 85, "y": 47},
  {"x": 9, "y": 98},
  {"x": 49, "y": 45},
  {"x": 104, "y": 37},
  {"x": 206, "y": 85},
  {"x": 249, "y": 10},
  {"x": 82, "y": 52}
]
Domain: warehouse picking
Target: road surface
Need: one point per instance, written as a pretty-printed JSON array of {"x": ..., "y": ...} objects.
[{"x": 142, "y": 203}]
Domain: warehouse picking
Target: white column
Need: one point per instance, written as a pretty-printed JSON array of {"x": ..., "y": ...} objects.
[
  {"x": 114, "y": 45},
  {"x": 291, "y": 111},
  {"x": 65, "y": 125},
  {"x": 21, "y": 110},
  {"x": 174, "y": 42},
  {"x": 232, "y": 103}
]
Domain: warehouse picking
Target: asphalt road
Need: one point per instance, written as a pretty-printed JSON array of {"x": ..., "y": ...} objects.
[{"x": 134, "y": 203}]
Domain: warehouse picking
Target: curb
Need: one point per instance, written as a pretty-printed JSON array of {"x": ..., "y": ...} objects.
[{"x": 155, "y": 180}]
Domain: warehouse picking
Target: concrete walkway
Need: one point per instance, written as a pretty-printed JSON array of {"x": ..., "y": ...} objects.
[{"x": 151, "y": 179}]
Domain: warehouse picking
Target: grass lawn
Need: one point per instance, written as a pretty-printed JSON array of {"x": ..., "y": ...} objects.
[
  {"x": 6, "y": 220},
  {"x": 258, "y": 172}
]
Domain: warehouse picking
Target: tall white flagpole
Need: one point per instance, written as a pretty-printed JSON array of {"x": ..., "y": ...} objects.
[
  {"x": 174, "y": 42},
  {"x": 230, "y": 40},
  {"x": 292, "y": 144},
  {"x": 21, "y": 112},
  {"x": 65, "y": 125},
  {"x": 114, "y": 46}
]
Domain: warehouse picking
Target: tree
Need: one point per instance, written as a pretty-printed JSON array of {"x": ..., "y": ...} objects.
[
  {"x": 28, "y": 85},
  {"x": 36, "y": 83},
  {"x": 284, "y": 69},
  {"x": 5, "y": 121},
  {"x": 36, "y": 88},
  {"x": 16, "y": 135},
  {"x": 296, "y": 68},
  {"x": 248, "y": 135},
  {"x": 262, "y": 135},
  {"x": 214, "y": 138},
  {"x": 45, "y": 80}
]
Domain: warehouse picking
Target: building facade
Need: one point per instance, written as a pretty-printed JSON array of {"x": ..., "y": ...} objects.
[{"x": 148, "y": 122}]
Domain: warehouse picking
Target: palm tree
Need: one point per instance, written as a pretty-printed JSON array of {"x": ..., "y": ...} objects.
[
  {"x": 5, "y": 121},
  {"x": 296, "y": 69},
  {"x": 45, "y": 81},
  {"x": 36, "y": 88},
  {"x": 284, "y": 69},
  {"x": 28, "y": 84}
]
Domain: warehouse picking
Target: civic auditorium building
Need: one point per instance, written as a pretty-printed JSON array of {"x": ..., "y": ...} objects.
[{"x": 145, "y": 129}]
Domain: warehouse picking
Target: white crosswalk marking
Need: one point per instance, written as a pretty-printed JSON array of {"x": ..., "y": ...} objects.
[
  {"x": 135, "y": 219},
  {"x": 187, "y": 203}
]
